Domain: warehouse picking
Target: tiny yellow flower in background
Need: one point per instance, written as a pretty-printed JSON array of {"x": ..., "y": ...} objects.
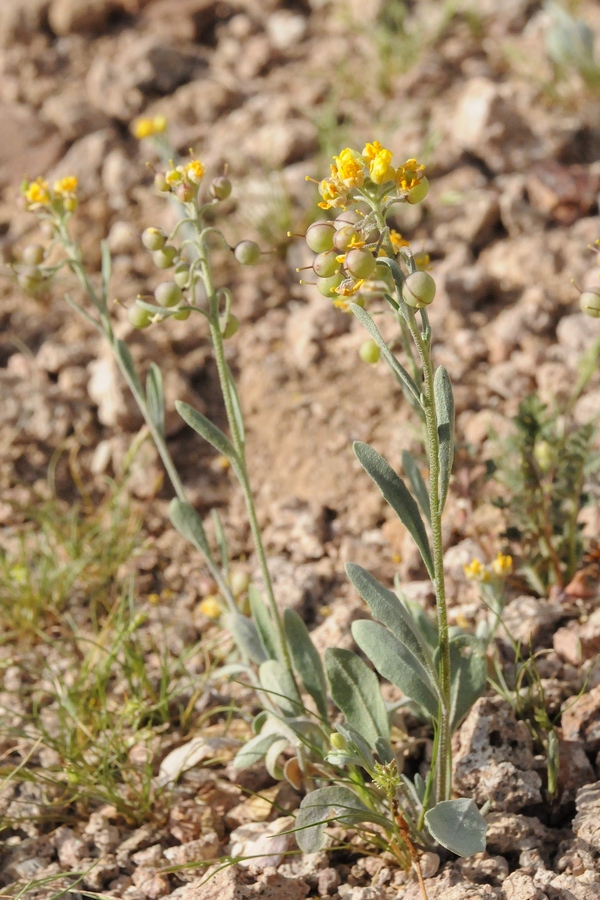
[
  {"x": 67, "y": 185},
  {"x": 146, "y": 127},
  {"x": 476, "y": 571},
  {"x": 195, "y": 171},
  {"x": 210, "y": 607},
  {"x": 38, "y": 192},
  {"x": 502, "y": 565}
]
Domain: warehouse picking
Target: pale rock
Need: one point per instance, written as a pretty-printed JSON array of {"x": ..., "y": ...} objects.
[
  {"x": 469, "y": 891},
  {"x": 488, "y": 124},
  {"x": 203, "y": 848},
  {"x": 53, "y": 356},
  {"x": 150, "y": 883},
  {"x": 517, "y": 263},
  {"x": 555, "y": 383},
  {"x": 575, "y": 770},
  {"x": 577, "y": 332},
  {"x": 473, "y": 222},
  {"x": 577, "y": 641},
  {"x": 587, "y": 408},
  {"x": 298, "y": 587},
  {"x": 85, "y": 159},
  {"x": 516, "y": 213},
  {"x": 510, "y": 380},
  {"x": 581, "y": 720},
  {"x": 28, "y": 143},
  {"x": 119, "y": 175},
  {"x": 512, "y": 832},
  {"x": 116, "y": 406},
  {"x": 189, "y": 819},
  {"x": 568, "y": 887},
  {"x": 521, "y": 886},
  {"x": 586, "y": 823},
  {"x": 237, "y": 883},
  {"x": 334, "y": 631},
  {"x": 530, "y": 619},
  {"x": 69, "y": 16},
  {"x": 151, "y": 856},
  {"x": 20, "y": 21},
  {"x": 532, "y": 314},
  {"x": 72, "y": 114},
  {"x": 308, "y": 326},
  {"x": 123, "y": 238},
  {"x": 493, "y": 759},
  {"x": 266, "y": 838},
  {"x": 98, "y": 872},
  {"x": 278, "y": 144},
  {"x": 372, "y": 892},
  {"x": 483, "y": 868},
  {"x": 70, "y": 848},
  {"x": 328, "y": 881},
  {"x": 285, "y": 29}
]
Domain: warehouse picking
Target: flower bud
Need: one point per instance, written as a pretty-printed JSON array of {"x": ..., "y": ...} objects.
[
  {"x": 418, "y": 289},
  {"x": 139, "y": 317},
  {"x": 338, "y": 741},
  {"x": 589, "y": 303},
  {"x": 418, "y": 192},
  {"x": 359, "y": 263},
  {"x": 70, "y": 204},
  {"x": 220, "y": 188},
  {"x": 343, "y": 238},
  {"x": 186, "y": 192},
  {"x": 326, "y": 264},
  {"x": 319, "y": 236},
  {"x": 229, "y": 327},
  {"x": 544, "y": 455},
  {"x": 182, "y": 274},
  {"x": 369, "y": 352},
  {"x": 327, "y": 286},
  {"x": 33, "y": 254},
  {"x": 160, "y": 183},
  {"x": 247, "y": 253},
  {"x": 168, "y": 294},
  {"x": 164, "y": 258},
  {"x": 153, "y": 238}
]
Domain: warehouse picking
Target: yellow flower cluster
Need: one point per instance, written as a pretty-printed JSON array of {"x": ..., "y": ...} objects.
[
  {"x": 146, "y": 127},
  {"x": 64, "y": 193},
  {"x": 353, "y": 171},
  {"x": 477, "y": 571},
  {"x": 193, "y": 172}
]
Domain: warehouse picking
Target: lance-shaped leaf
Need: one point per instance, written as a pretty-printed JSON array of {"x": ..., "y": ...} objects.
[
  {"x": 306, "y": 659},
  {"x": 277, "y": 681},
  {"x": 324, "y": 805},
  {"x": 124, "y": 356},
  {"x": 155, "y": 397},
  {"x": 254, "y": 750},
  {"x": 394, "y": 661},
  {"x": 264, "y": 625},
  {"x": 387, "y": 608},
  {"x": 188, "y": 523},
  {"x": 106, "y": 271},
  {"x": 237, "y": 408},
  {"x": 468, "y": 676},
  {"x": 206, "y": 429},
  {"x": 458, "y": 826},
  {"x": 444, "y": 408},
  {"x": 245, "y": 635},
  {"x": 399, "y": 371},
  {"x": 398, "y": 496},
  {"x": 416, "y": 480},
  {"x": 355, "y": 690}
]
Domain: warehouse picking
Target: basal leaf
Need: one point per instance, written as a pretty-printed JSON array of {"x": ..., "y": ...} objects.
[
  {"x": 458, "y": 826},
  {"x": 243, "y": 630},
  {"x": 324, "y": 805},
  {"x": 444, "y": 407},
  {"x": 155, "y": 397},
  {"x": 355, "y": 691},
  {"x": 276, "y": 679},
  {"x": 306, "y": 659},
  {"x": 264, "y": 625},
  {"x": 398, "y": 496},
  {"x": 254, "y": 750}
]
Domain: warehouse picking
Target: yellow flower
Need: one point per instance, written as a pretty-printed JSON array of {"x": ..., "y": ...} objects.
[
  {"x": 210, "y": 607},
  {"x": 502, "y": 565},
  {"x": 349, "y": 168},
  {"x": 380, "y": 169},
  {"x": 371, "y": 150},
  {"x": 145, "y": 127},
  {"x": 38, "y": 192},
  {"x": 333, "y": 192},
  {"x": 409, "y": 175},
  {"x": 397, "y": 239},
  {"x": 174, "y": 176},
  {"x": 349, "y": 286},
  {"x": 195, "y": 171},
  {"x": 476, "y": 571},
  {"x": 66, "y": 185}
]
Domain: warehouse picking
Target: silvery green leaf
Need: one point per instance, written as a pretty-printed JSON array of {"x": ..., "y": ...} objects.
[
  {"x": 458, "y": 826},
  {"x": 335, "y": 803},
  {"x": 188, "y": 523},
  {"x": 444, "y": 408},
  {"x": 235, "y": 402},
  {"x": 394, "y": 661},
  {"x": 419, "y": 787},
  {"x": 306, "y": 659},
  {"x": 155, "y": 397},
  {"x": 398, "y": 496},
  {"x": 277, "y": 681},
  {"x": 355, "y": 691},
  {"x": 387, "y": 608},
  {"x": 221, "y": 541},
  {"x": 264, "y": 625},
  {"x": 106, "y": 271},
  {"x": 124, "y": 356},
  {"x": 271, "y": 757},
  {"x": 245, "y": 635},
  {"x": 423, "y": 622},
  {"x": 206, "y": 429},
  {"x": 384, "y": 751},
  {"x": 416, "y": 480},
  {"x": 254, "y": 750},
  {"x": 399, "y": 371},
  {"x": 468, "y": 676}
]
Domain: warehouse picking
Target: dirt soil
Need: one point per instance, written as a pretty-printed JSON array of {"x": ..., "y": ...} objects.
[{"x": 271, "y": 89}]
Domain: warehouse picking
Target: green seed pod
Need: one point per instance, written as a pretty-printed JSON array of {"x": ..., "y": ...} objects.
[
  {"x": 229, "y": 329},
  {"x": 153, "y": 238},
  {"x": 139, "y": 317},
  {"x": 419, "y": 192},
  {"x": 168, "y": 294},
  {"x": 33, "y": 254},
  {"x": 326, "y": 264},
  {"x": 544, "y": 455},
  {"x": 182, "y": 314},
  {"x": 247, "y": 253},
  {"x": 220, "y": 188},
  {"x": 30, "y": 279},
  {"x": 327, "y": 286},
  {"x": 186, "y": 192},
  {"x": 240, "y": 579},
  {"x": 161, "y": 184},
  {"x": 343, "y": 238},
  {"x": 181, "y": 275},
  {"x": 319, "y": 236},
  {"x": 360, "y": 263},
  {"x": 369, "y": 352},
  {"x": 589, "y": 303},
  {"x": 338, "y": 741},
  {"x": 164, "y": 258},
  {"x": 418, "y": 289},
  {"x": 349, "y": 217}
]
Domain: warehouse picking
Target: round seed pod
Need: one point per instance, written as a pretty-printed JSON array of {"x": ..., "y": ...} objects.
[
  {"x": 369, "y": 352},
  {"x": 182, "y": 314},
  {"x": 247, "y": 253},
  {"x": 589, "y": 303},
  {"x": 153, "y": 238},
  {"x": 229, "y": 329},
  {"x": 33, "y": 254},
  {"x": 360, "y": 263},
  {"x": 165, "y": 257},
  {"x": 30, "y": 279},
  {"x": 181, "y": 275},
  {"x": 139, "y": 317},
  {"x": 168, "y": 294},
  {"x": 343, "y": 237},
  {"x": 418, "y": 192},
  {"x": 418, "y": 289},
  {"x": 326, "y": 264},
  {"x": 319, "y": 236},
  {"x": 327, "y": 286},
  {"x": 161, "y": 184},
  {"x": 348, "y": 217},
  {"x": 220, "y": 188}
]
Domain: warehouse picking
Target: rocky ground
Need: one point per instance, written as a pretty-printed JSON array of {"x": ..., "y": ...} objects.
[{"x": 271, "y": 89}]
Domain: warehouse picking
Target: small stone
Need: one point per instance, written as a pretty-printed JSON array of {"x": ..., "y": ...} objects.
[
  {"x": 98, "y": 872},
  {"x": 152, "y": 856},
  {"x": 150, "y": 883},
  {"x": 328, "y": 881},
  {"x": 509, "y": 833},
  {"x": 586, "y": 823},
  {"x": 204, "y": 848},
  {"x": 236, "y": 883},
  {"x": 263, "y": 837},
  {"x": 581, "y": 720},
  {"x": 70, "y": 848},
  {"x": 530, "y": 620},
  {"x": 520, "y": 886}
]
